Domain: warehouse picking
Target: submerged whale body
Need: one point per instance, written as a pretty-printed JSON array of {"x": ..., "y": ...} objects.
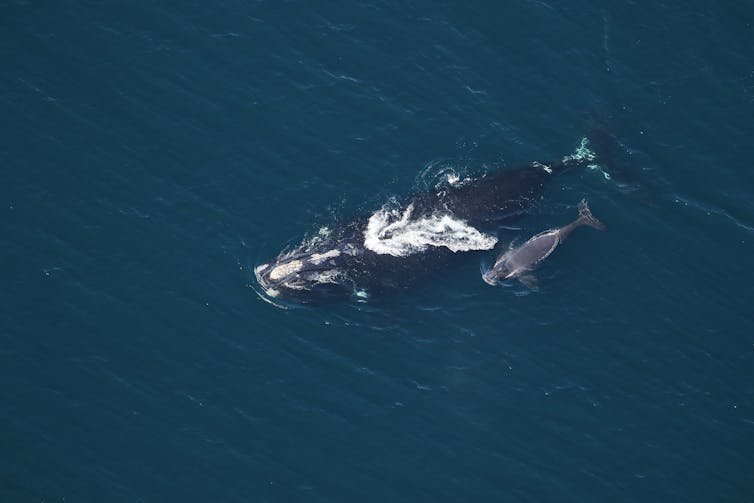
[{"x": 401, "y": 242}]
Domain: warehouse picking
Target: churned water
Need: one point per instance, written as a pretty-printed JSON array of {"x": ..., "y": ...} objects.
[{"x": 154, "y": 153}]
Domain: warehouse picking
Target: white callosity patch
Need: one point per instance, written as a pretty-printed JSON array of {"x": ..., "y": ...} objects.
[
  {"x": 330, "y": 276},
  {"x": 318, "y": 258},
  {"x": 392, "y": 232},
  {"x": 285, "y": 269}
]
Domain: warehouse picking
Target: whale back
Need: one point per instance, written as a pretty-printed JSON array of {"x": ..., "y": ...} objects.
[{"x": 497, "y": 197}]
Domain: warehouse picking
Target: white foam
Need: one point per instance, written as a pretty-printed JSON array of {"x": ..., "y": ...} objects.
[
  {"x": 598, "y": 168},
  {"x": 545, "y": 167},
  {"x": 583, "y": 153},
  {"x": 391, "y": 231}
]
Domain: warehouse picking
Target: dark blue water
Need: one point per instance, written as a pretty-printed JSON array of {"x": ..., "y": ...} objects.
[{"x": 152, "y": 153}]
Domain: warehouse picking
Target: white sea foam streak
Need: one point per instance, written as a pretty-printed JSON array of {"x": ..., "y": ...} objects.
[{"x": 394, "y": 232}]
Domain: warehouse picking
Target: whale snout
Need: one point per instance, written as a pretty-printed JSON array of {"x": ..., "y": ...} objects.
[
  {"x": 275, "y": 278},
  {"x": 301, "y": 274},
  {"x": 490, "y": 278},
  {"x": 496, "y": 274}
]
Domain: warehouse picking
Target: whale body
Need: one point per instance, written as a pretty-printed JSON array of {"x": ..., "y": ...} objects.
[
  {"x": 518, "y": 262},
  {"x": 403, "y": 241}
]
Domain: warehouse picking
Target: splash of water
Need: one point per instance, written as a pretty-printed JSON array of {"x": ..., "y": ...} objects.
[
  {"x": 582, "y": 153},
  {"x": 391, "y": 231}
]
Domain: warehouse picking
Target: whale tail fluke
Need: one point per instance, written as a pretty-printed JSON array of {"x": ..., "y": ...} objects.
[
  {"x": 612, "y": 156},
  {"x": 586, "y": 217}
]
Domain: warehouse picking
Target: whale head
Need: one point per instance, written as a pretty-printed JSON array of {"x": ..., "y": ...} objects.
[
  {"x": 499, "y": 272},
  {"x": 304, "y": 276}
]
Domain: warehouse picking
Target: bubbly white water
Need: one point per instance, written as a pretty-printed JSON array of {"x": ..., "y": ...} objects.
[
  {"x": 582, "y": 153},
  {"x": 391, "y": 231}
]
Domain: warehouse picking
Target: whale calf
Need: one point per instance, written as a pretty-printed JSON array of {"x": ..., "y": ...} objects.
[
  {"x": 518, "y": 262},
  {"x": 409, "y": 238}
]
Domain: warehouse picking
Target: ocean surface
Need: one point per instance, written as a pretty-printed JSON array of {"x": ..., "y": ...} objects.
[{"x": 153, "y": 153}]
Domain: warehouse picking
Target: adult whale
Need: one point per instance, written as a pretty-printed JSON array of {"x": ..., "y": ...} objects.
[{"x": 405, "y": 240}]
